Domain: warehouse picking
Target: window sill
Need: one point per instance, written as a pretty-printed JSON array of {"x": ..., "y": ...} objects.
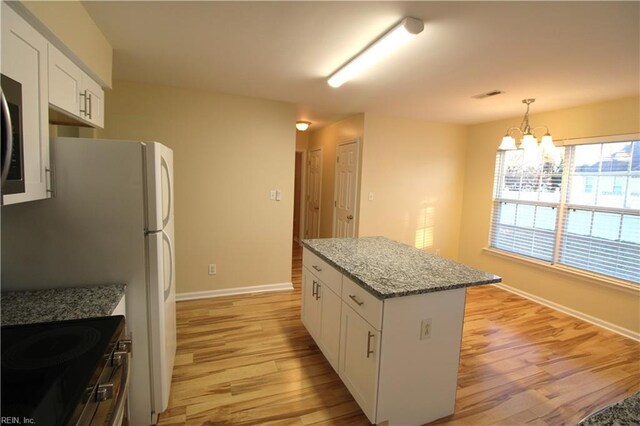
[{"x": 566, "y": 270}]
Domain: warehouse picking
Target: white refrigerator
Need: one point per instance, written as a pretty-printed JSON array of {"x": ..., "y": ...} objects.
[{"x": 110, "y": 220}]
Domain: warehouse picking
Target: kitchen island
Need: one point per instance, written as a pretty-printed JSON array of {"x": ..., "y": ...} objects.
[{"x": 388, "y": 317}]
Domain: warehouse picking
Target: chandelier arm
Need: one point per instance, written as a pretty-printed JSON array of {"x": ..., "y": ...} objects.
[
  {"x": 540, "y": 127},
  {"x": 511, "y": 129}
]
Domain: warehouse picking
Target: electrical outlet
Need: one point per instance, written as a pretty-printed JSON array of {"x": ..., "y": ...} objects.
[
  {"x": 272, "y": 195},
  {"x": 212, "y": 269},
  {"x": 425, "y": 329}
]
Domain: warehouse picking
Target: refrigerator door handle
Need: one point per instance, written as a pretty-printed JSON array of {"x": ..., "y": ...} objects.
[
  {"x": 167, "y": 291},
  {"x": 165, "y": 170}
]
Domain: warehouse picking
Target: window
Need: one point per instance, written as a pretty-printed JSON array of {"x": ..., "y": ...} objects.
[{"x": 578, "y": 206}]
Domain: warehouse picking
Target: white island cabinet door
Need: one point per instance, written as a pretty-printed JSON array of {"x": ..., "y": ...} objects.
[
  {"x": 310, "y": 305},
  {"x": 359, "y": 357},
  {"x": 330, "y": 308}
]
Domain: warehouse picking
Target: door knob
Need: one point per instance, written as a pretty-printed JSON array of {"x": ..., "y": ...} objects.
[{"x": 350, "y": 217}]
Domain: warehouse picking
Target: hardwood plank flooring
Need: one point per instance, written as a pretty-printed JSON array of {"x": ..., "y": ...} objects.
[{"x": 247, "y": 360}]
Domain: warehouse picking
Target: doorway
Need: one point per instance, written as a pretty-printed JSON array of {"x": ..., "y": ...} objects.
[
  {"x": 313, "y": 194},
  {"x": 346, "y": 189}
]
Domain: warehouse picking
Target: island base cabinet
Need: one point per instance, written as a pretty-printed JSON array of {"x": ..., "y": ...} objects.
[
  {"x": 398, "y": 373},
  {"x": 418, "y": 374},
  {"x": 359, "y": 360}
]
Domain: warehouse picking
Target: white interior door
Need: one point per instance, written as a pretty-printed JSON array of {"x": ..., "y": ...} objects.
[
  {"x": 346, "y": 190},
  {"x": 314, "y": 187}
]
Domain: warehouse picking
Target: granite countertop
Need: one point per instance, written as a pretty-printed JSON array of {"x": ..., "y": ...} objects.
[
  {"x": 625, "y": 412},
  {"x": 388, "y": 268},
  {"x": 29, "y": 307}
]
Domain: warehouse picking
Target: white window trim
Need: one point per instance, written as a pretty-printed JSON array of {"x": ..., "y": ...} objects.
[
  {"x": 598, "y": 139},
  {"x": 593, "y": 277}
]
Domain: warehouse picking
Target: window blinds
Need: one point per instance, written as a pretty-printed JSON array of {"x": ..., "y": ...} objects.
[{"x": 579, "y": 207}]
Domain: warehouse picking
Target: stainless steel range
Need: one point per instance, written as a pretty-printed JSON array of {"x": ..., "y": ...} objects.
[{"x": 65, "y": 373}]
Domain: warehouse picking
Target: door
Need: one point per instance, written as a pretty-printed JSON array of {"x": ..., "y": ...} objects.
[
  {"x": 330, "y": 309},
  {"x": 162, "y": 286},
  {"x": 310, "y": 309},
  {"x": 359, "y": 360},
  {"x": 65, "y": 79},
  {"x": 314, "y": 186},
  {"x": 24, "y": 59},
  {"x": 346, "y": 190}
]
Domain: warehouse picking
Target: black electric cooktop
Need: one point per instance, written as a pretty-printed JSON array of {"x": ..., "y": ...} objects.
[{"x": 48, "y": 367}]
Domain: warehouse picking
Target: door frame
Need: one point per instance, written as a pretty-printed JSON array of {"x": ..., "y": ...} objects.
[
  {"x": 306, "y": 199},
  {"x": 356, "y": 192},
  {"x": 302, "y": 208}
]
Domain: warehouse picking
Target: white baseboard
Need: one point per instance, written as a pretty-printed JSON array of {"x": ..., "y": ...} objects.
[
  {"x": 572, "y": 312},
  {"x": 233, "y": 291}
]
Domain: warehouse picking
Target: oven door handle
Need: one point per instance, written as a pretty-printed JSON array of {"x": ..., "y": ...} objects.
[{"x": 119, "y": 406}]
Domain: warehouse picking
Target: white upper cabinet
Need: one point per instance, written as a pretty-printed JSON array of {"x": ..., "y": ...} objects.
[
  {"x": 24, "y": 59},
  {"x": 73, "y": 92},
  {"x": 65, "y": 80}
]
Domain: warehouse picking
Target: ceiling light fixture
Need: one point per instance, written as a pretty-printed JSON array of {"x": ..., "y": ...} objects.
[
  {"x": 528, "y": 141},
  {"x": 396, "y": 37},
  {"x": 302, "y": 125}
]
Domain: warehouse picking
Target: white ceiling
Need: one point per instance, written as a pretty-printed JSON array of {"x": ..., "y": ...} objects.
[{"x": 561, "y": 53}]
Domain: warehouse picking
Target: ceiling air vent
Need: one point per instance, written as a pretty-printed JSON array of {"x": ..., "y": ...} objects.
[{"x": 488, "y": 94}]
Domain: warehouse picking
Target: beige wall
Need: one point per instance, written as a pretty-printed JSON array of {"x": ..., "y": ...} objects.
[
  {"x": 69, "y": 22},
  {"x": 229, "y": 152},
  {"x": 415, "y": 170},
  {"x": 328, "y": 138},
  {"x": 613, "y": 305}
]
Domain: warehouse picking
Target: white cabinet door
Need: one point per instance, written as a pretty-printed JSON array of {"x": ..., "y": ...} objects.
[
  {"x": 321, "y": 315},
  {"x": 310, "y": 305},
  {"x": 72, "y": 91},
  {"x": 93, "y": 97},
  {"x": 359, "y": 357},
  {"x": 24, "y": 59},
  {"x": 330, "y": 310},
  {"x": 65, "y": 79}
]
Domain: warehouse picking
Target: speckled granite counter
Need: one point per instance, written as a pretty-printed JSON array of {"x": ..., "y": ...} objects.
[
  {"x": 625, "y": 412},
  {"x": 28, "y": 307},
  {"x": 388, "y": 268}
]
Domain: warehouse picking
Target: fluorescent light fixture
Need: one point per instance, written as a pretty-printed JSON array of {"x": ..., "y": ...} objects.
[
  {"x": 396, "y": 37},
  {"x": 302, "y": 125}
]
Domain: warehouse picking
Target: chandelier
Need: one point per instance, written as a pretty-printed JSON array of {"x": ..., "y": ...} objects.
[{"x": 528, "y": 142}]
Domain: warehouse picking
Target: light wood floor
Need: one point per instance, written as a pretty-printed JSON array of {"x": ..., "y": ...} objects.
[{"x": 246, "y": 360}]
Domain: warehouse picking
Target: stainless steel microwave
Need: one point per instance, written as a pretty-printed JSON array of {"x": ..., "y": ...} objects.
[{"x": 12, "y": 142}]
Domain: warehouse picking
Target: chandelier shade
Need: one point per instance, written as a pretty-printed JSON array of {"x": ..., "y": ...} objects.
[{"x": 528, "y": 141}]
